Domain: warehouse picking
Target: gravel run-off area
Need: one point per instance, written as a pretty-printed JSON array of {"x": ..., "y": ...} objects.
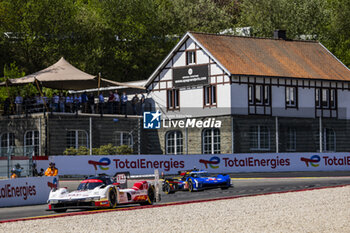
[{"x": 323, "y": 210}]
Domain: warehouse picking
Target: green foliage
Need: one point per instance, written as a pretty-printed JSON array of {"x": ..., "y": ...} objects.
[
  {"x": 108, "y": 149},
  {"x": 10, "y": 72},
  {"x": 127, "y": 39},
  {"x": 337, "y": 38},
  {"x": 298, "y": 17},
  {"x": 124, "y": 150},
  {"x": 82, "y": 150},
  {"x": 124, "y": 40},
  {"x": 70, "y": 151}
]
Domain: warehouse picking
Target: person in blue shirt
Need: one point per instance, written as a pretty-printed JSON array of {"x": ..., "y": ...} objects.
[
  {"x": 101, "y": 102},
  {"x": 84, "y": 102},
  {"x": 124, "y": 102}
]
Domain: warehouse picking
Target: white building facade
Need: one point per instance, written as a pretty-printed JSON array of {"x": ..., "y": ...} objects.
[{"x": 271, "y": 95}]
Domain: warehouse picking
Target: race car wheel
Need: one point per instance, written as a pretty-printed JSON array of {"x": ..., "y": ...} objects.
[
  {"x": 227, "y": 185},
  {"x": 112, "y": 197},
  {"x": 60, "y": 210},
  {"x": 190, "y": 186},
  {"x": 151, "y": 196},
  {"x": 167, "y": 188}
]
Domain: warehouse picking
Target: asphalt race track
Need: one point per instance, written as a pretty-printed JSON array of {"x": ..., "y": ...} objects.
[{"x": 242, "y": 187}]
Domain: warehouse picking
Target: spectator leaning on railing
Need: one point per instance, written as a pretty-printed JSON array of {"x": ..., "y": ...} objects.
[
  {"x": 124, "y": 103},
  {"x": 101, "y": 102}
]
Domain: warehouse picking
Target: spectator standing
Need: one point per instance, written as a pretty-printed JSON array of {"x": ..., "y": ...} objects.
[
  {"x": 18, "y": 169},
  {"x": 13, "y": 174},
  {"x": 69, "y": 103},
  {"x": 134, "y": 103},
  {"x": 34, "y": 171},
  {"x": 26, "y": 104},
  {"x": 51, "y": 170},
  {"x": 143, "y": 103},
  {"x": 62, "y": 101},
  {"x": 101, "y": 102},
  {"x": 55, "y": 100},
  {"x": 116, "y": 102},
  {"x": 46, "y": 101},
  {"x": 19, "y": 102},
  {"x": 91, "y": 99},
  {"x": 110, "y": 102},
  {"x": 39, "y": 103},
  {"x": 124, "y": 102},
  {"x": 77, "y": 101},
  {"x": 84, "y": 101},
  {"x": 41, "y": 173}
]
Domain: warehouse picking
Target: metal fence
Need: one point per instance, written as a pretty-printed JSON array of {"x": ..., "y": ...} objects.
[{"x": 18, "y": 159}]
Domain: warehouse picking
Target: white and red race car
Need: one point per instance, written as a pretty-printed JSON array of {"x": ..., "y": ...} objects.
[{"x": 101, "y": 192}]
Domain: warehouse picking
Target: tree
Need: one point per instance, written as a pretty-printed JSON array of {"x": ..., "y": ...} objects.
[
  {"x": 10, "y": 72},
  {"x": 298, "y": 17},
  {"x": 38, "y": 32},
  {"x": 337, "y": 38}
]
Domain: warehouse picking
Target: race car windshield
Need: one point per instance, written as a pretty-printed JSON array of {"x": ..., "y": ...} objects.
[
  {"x": 88, "y": 186},
  {"x": 201, "y": 174}
]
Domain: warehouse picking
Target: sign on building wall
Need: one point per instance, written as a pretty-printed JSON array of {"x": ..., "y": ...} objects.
[
  {"x": 26, "y": 191},
  {"x": 190, "y": 76},
  {"x": 223, "y": 163}
]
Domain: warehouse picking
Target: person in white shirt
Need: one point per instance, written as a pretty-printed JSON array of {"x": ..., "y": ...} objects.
[{"x": 116, "y": 103}]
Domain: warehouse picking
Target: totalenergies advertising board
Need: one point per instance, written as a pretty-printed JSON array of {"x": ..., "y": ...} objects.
[
  {"x": 218, "y": 163},
  {"x": 26, "y": 190}
]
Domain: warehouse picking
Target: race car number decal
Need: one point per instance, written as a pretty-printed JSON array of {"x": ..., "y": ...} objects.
[{"x": 121, "y": 178}]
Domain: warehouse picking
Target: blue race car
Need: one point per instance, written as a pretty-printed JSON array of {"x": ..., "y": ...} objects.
[{"x": 195, "y": 180}]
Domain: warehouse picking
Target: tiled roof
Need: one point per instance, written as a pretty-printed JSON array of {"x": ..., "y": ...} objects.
[{"x": 271, "y": 57}]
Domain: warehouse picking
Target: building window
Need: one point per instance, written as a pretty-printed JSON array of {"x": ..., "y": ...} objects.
[
  {"x": 211, "y": 141},
  {"x": 291, "y": 97},
  {"x": 173, "y": 99},
  {"x": 174, "y": 142},
  {"x": 259, "y": 94},
  {"x": 31, "y": 142},
  {"x": 326, "y": 98},
  {"x": 209, "y": 96},
  {"x": 77, "y": 138},
  {"x": 190, "y": 57},
  {"x": 259, "y": 138},
  {"x": 7, "y": 142},
  {"x": 291, "y": 139},
  {"x": 329, "y": 140},
  {"x": 123, "y": 138}
]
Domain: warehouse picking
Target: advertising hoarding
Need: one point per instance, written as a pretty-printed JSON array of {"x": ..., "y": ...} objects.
[{"x": 220, "y": 163}]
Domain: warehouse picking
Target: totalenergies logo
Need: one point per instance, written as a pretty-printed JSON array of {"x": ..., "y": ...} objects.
[
  {"x": 314, "y": 160},
  {"x": 211, "y": 162},
  {"x": 101, "y": 164}
]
